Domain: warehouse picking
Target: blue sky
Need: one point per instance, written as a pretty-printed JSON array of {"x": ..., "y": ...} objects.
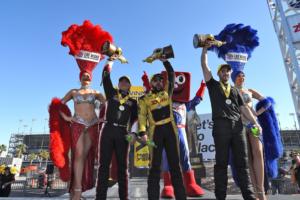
[{"x": 35, "y": 67}]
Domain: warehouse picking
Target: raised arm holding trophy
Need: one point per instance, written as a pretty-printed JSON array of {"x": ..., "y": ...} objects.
[
  {"x": 120, "y": 120},
  {"x": 155, "y": 107},
  {"x": 227, "y": 107}
]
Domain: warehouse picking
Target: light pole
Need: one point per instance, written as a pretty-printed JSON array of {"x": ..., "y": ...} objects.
[
  {"x": 20, "y": 122},
  {"x": 32, "y": 120},
  {"x": 294, "y": 118},
  {"x": 24, "y": 126},
  {"x": 277, "y": 114},
  {"x": 45, "y": 122}
]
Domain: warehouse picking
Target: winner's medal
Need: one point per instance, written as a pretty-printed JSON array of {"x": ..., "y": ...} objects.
[
  {"x": 226, "y": 91},
  {"x": 121, "y": 108},
  {"x": 122, "y": 101},
  {"x": 228, "y": 101}
]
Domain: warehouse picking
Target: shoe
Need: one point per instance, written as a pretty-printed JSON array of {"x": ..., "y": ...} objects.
[
  {"x": 168, "y": 190},
  {"x": 191, "y": 187}
]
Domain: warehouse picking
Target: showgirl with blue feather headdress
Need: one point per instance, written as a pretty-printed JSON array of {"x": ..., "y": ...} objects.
[{"x": 240, "y": 42}]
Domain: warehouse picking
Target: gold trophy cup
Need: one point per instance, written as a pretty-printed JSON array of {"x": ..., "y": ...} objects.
[
  {"x": 165, "y": 52},
  {"x": 109, "y": 49},
  {"x": 200, "y": 39}
]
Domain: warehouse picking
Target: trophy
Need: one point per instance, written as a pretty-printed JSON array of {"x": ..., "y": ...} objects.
[
  {"x": 109, "y": 49},
  {"x": 200, "y": 39},
  {"x": 165, "y": 52}
]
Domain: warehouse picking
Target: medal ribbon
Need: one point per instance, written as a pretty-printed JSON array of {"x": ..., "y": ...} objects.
[
  {"x": 121, "y": 99},
  {"x": 226, "y": 89}
]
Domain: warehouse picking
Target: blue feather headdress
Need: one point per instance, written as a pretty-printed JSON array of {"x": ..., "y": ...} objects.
[{"x": 240, "y": 42}]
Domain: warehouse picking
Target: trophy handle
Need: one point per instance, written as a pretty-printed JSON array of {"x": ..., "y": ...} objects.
[{"x": 122, "y": 59}]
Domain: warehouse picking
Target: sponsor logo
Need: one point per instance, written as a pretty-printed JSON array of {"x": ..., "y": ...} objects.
[
  {"x": 236, "y": 57},
  {"x": 88, "y": 56},
  {"x": 296, "y": 28},
  {"x": 154, "y": 101}
]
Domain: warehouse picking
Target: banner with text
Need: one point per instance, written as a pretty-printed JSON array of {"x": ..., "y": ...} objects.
[
  {"x": 294, "y": 26},
  {"x": 205, "y": 141}
]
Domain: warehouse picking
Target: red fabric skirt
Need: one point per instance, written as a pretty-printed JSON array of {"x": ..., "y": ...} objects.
[{"x": 88, "y": 170}]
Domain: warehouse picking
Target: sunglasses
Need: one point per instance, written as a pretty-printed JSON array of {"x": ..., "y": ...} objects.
[{"x": 157, "y": 79}]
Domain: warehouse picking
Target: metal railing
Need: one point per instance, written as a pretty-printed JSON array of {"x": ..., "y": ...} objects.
[{"x": 34, "y": 183}]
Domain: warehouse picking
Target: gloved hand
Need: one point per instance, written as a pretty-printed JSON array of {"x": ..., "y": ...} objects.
[
  {"x": 146, "y": 82},
  {"x": 201, "y": 90}
]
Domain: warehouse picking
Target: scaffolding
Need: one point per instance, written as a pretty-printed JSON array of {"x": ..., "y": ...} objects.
[
  {"x": 291, "y": 139},
  {"x": 281, "y": 12},
  {"x": 15, "y": 140}
]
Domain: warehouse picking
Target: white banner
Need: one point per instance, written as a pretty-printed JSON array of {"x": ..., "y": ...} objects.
[
  {"x": 17, "y": 163},
  {"x": 236, "y": 57},
  {"x": 89, "y": 56},
  {"x": 205, "y": 142},
  {"x": 294, "y": 26}
]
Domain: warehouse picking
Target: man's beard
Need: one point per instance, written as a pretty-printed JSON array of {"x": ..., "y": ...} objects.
[
  {"x": 225, "y": 79},
  {"x": 157, "y": 89}
]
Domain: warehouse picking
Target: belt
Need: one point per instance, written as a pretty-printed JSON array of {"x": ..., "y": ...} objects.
[
  {"x": 115, "y": 124},
  {"x": 226, "y": 119},
  {"x": 164, "y": 121}
]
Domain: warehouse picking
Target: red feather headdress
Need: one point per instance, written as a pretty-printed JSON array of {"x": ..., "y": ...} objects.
[{"x": 85, "y": 43}]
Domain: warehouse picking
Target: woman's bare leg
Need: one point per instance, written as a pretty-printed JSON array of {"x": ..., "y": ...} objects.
[
  {"x": 258, "y": 166},
  {"x": 82, "y": 148},
  {"x": 250, "y": 161}
]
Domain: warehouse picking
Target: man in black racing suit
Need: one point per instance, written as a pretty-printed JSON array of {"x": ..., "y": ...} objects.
[{"x": 120, "y": 117}]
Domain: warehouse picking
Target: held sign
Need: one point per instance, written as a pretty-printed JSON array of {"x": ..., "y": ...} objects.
[
  {"x": 141, "y": 155},
  {"x": 141, "y": 152},
  {"x": 205, "y": 142},
  {"x": 136, "y": 92}
]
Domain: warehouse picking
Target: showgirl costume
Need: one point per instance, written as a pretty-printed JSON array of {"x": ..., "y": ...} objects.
[{"x": 85, "y": 43}]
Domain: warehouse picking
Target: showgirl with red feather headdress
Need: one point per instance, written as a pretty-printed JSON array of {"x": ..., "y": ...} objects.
[{"x": 78, "y": 133}]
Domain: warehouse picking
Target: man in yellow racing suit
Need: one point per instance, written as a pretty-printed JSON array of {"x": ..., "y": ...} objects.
[{"x": 155, "y": 108}]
